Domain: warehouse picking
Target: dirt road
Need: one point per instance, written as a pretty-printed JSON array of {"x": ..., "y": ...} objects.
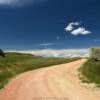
[{"x": 58, "y": 82}]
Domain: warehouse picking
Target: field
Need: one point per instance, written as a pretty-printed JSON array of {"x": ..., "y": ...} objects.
[
  {"x": 15, "y": 63},
  {"x": 90, "y": 72}
]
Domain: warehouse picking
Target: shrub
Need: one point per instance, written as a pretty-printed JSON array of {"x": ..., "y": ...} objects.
[
  {"x": 95, "y": 54},
  {"x": 2, "y": 53}
]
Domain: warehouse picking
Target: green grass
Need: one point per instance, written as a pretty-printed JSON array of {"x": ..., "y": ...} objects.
[
  {"x": 90, "y": 72},
  {"x": 15, "y": 63}
]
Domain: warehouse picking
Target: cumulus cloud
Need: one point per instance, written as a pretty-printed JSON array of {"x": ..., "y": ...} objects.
[
  {"x": 76, "y": 31},
  {"x": 66, "y": 53},
  {"x": 80, "y": 30},
  {"x": 71, "y": 26},
  {"x": 19, "y": 2}
]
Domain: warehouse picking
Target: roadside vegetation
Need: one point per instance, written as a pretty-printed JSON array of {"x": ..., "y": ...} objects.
[
  {"x": 2, "y": 54},
  {"x": 15, "y": 63},
  {"x": 90, "y": 71}
]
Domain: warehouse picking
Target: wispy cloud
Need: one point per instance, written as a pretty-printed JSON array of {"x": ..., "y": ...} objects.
[
  {"x": 19, "y": 2},
  {"x": 47, "y": 44},
  {"x": 58, "y": 38},
  {"x": 76, "y": 31},
  {"x": 97, "y": 40}
]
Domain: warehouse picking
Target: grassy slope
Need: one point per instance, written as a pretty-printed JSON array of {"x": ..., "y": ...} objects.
[
  {"x": 15, "y": 63},
  {"x": 91, "y": 72}
]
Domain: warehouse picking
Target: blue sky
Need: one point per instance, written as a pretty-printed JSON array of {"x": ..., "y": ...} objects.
[{"x": 39, "y": 24}]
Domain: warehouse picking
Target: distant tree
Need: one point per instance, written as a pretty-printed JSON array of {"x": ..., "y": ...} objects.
[
  {"x": 95, "y": 54},
  {"x": 2, "y": 53}
]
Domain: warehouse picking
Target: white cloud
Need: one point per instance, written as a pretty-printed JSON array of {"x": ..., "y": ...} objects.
[
  {"x": 47, "y": 44},
  {"x": 65, "y": 53},
  {"x": 76, "y": 31},
  {"x": 19, "y": 2},
  {"x": 71, "y": 26},
  {"x": 81, "y": 31}
]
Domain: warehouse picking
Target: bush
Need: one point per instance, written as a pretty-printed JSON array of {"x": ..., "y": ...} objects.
[
  {"x": 90, "y": 72},
  {"x": 95, "y": 54},
  {"x": 2, "y": 53}
]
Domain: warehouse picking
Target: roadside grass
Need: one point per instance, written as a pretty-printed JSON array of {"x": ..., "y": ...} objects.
[
  {"x": 16, "y": 63},
  {"x": 90, "y": 72}
]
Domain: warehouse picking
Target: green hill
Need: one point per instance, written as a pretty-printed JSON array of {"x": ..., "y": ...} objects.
[{"x": 16, "y": 63}]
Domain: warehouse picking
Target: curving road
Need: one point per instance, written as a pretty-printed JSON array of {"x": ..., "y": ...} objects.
[{"x": 58, "y": 82}]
